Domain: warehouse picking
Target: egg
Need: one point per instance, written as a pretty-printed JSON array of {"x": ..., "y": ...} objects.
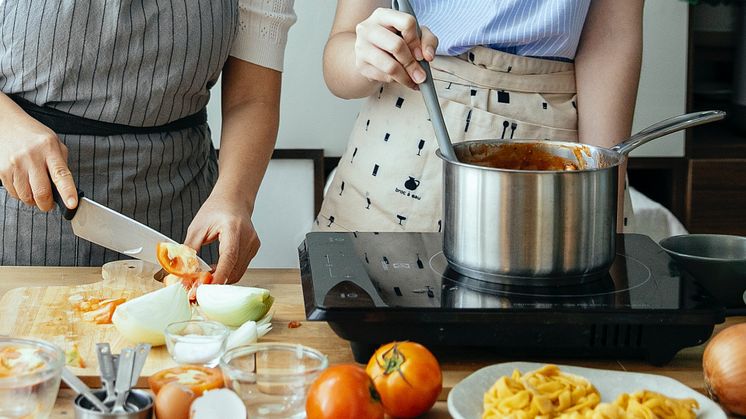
[{"x": 173, "y": 401}]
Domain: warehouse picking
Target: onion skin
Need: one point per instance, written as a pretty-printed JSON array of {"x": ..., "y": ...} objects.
[{"x": 724, "y": 365}]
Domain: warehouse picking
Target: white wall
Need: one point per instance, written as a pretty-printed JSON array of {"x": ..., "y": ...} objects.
[
  {"x": 311, "y": 117},
  {"x": 662, "y": 91}
]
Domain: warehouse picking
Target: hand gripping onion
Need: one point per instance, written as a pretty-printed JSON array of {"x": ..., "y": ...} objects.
[
  {"x": 144, "y": 318},
  {"x": 724, "y": 365},
  {"x": 233, "y": 305}
]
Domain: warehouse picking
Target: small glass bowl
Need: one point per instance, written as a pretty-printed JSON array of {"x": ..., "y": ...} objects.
[
  {"x": 196, "y": 342},
  {"x": 31, "y": 394},
  {"x": 272, "y": 379}
]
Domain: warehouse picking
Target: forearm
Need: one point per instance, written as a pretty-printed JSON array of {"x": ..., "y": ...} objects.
[
  {"x": 339, "y": 68},
  {"x": 248, "y": 137},
  {"x": 607, "y": 71},
  {"x": 340, "y": 73},
  {"x": 251, "y": 106}
]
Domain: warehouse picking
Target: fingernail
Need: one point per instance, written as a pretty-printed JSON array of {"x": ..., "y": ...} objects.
[
  {"x": 71, "y": 203},
  {"x": 430, "y": 52},
  {"x": 418, "y": 76},
  {"x": 418, "y": 54}
]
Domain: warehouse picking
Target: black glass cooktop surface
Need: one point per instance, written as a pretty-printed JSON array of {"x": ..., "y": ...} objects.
[{"x": 375, "y": 287}]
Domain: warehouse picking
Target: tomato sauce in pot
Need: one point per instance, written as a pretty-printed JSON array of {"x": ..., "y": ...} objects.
[{"x": 522, "y": 156}]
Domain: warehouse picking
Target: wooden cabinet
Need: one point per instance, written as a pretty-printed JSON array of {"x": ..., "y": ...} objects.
[{"x": 716, "y": 189}]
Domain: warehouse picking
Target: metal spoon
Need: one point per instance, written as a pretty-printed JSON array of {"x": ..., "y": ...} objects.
[
  {"x": 124, "y": 379},
  {"x": 106, "y": 367},
  {"x": 79, "y": 386},
  {"x": 429, "y": 94},
  {"x": 141, "y": 355}
]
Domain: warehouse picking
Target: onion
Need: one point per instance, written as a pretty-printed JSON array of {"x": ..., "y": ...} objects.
[
  {"x": 249, "y": 332},
  {"x": 143, "y": 319},
  {"x": 724, "y": 364},
  {"x": 233, "y": 305}
]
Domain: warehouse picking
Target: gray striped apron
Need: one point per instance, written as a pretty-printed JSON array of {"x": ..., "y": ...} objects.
[{"x": 136, "y": 63}]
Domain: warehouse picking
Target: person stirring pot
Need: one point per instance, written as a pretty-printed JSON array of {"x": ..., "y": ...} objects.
[
  {"x": 559, "y": 69},
  {"x": 110, "y": 97}
]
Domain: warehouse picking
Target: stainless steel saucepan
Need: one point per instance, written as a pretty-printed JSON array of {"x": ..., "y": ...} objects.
[{"x": 536, "y": 211}]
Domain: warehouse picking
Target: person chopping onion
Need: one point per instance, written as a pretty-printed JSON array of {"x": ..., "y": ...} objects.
[
  {"x": 557, "y": 69},
  {"x": 110, "y": 98}
]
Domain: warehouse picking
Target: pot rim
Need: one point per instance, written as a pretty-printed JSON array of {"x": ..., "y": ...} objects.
[{"x": 569, "y": 144}]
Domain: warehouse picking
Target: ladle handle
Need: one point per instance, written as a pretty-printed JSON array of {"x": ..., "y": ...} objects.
[
  {"x": 429, "y": 94},
  {"x": 667, "y": 126}
]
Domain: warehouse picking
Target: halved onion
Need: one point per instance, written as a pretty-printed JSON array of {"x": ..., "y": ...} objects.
[
  {"x": 233, "y": 305},
  {"x": 143, "y": 319}
]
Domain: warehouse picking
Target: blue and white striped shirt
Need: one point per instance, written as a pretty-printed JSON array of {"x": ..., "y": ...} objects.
[{"x": 536, "y": 28}]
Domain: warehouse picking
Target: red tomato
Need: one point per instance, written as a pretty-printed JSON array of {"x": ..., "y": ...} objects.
[
  {"x": 194, "y": 377},
  {"x": 343, "y": 392},
  {"x": 408, "y": 378},
  {"x": 177, "y": 259}
]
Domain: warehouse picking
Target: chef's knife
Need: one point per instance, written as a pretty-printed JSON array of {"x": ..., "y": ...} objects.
[{"x": 108, "y": 228}]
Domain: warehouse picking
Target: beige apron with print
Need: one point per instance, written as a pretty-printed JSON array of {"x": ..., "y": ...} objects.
[{"x": 389, "y": 178}]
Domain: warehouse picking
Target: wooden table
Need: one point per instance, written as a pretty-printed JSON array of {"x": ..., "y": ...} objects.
[{"x": 284, "y": 284}]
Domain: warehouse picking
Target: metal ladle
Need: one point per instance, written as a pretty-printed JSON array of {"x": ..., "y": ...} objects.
[{"x": 429, "y": 95}]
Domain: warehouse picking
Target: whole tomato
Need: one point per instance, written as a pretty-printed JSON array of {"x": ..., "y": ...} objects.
[
  {"x": 408, "y": 378},
  {"x": 343, "y": 392}
]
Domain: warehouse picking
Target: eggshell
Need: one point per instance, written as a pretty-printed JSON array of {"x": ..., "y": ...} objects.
[
  {"x": 218, "y": 404},
  {"x": 173, "y": 401}
]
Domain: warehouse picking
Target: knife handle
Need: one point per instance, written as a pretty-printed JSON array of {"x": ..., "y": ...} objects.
[{"x": 66, "y": 212}]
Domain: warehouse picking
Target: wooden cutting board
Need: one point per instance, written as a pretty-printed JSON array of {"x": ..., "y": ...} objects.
[{"x": 46, "y": 313}]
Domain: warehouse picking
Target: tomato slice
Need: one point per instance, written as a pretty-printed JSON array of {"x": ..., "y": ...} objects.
[
  {"x": 102, "y": 314},
  {"x": 194, "y": 377},
  {"x": 177, "y": 259},
  {"x": 98, "y": 310}
]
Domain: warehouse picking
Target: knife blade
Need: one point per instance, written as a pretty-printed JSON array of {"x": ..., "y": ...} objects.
[
  {"x": 112, "y": 230},
  {"x": 108, "y": 228}
]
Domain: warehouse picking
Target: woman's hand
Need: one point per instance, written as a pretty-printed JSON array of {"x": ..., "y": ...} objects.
[
  {"x": 370, "y": 44},
  {"x": 388, "y": 49},
  {"x": 31, "y": 153},
  {"x": 228, "y": 221}
]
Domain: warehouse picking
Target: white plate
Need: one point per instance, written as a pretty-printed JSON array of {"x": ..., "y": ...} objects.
[{"x": 466, "y": 398}]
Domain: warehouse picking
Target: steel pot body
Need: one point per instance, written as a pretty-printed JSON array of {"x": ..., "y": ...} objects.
[{"x": 531, "y": 226}]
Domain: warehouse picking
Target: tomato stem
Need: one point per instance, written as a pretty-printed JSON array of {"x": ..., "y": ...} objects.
[{"x": 393, "y": 359}]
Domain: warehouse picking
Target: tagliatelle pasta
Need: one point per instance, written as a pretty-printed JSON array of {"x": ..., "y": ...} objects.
[{"x": 548, "y": 393}]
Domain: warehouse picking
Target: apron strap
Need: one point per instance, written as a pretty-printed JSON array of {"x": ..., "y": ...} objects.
[{"x": 65, "y": 123}]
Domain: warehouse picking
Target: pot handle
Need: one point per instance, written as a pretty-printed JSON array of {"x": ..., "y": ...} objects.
[{"x": 667, "y": 126}]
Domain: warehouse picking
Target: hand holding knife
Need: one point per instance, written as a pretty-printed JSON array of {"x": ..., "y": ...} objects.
[{"x": 103, "y": 226}]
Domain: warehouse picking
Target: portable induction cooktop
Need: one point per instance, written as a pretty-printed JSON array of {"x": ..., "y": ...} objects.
[{"x": 374, "y": 288}]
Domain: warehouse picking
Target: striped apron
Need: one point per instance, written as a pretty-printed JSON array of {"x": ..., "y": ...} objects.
[
  {"x": 389, "y": 178},
  {"x": 116, "y": 63}
]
